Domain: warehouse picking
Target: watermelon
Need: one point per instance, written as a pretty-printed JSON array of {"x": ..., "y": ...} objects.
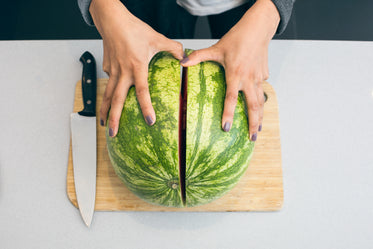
[{"x": 185, "y": 158}]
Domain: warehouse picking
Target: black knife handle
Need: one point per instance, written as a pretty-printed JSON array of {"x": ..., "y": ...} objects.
[{"x": 89, "y": 84}]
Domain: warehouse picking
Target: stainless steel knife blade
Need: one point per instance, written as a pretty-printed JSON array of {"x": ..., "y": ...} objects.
[{"x": 84, "y": 142}]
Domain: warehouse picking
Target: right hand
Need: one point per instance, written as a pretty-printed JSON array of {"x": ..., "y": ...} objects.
[{"x": 129, "y": 45}]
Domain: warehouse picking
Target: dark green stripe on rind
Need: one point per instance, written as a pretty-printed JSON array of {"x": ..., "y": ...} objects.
[
  {"x": 146, "y": 157},
  {"x": 215, "y": 160}
]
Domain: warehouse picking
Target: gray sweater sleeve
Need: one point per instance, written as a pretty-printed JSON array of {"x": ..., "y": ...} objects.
[
  {"x": 285, "y": 8},
  {"x": 84, "y": 9}
]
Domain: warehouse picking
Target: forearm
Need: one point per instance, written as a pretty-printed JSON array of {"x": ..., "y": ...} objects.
[
  {"x": 91, "y": 10},
  {"x": 273, "y": 15},
  {"x": 284, "y": 8},
  {"x": 258, "y": 24},
  {"x": 109, "y": 13}
]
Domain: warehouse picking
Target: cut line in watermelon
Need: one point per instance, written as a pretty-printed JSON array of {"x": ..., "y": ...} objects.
[{"x": 182, "y": 130}]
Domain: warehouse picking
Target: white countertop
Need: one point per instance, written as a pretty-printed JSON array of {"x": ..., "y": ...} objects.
[{"x": 325, "y": 93}]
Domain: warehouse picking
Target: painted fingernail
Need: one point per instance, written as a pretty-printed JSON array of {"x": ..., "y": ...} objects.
[
  {"x": 111, "y": 132},
  {"x": 149, "y": 120},
  {"x": 185, "y": 60},
  {"x": 260, "y": 127},
  {"x": 102, "y": 123},
  {"x": 265, "y": 97},
  {"x": 185, "y": 56},
  {"x": 227, "y": 126},
  {"x": 253, "y": 137}
]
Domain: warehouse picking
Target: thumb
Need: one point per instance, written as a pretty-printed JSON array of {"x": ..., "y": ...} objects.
[
  {"x": 173, "y": 47},
  {"x": 206, "y": 54}
]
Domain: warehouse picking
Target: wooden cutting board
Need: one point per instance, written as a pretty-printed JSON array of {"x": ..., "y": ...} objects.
[{"x": 260, "y": 189}]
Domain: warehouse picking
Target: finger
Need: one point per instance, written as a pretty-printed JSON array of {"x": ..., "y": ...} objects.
[
  {"x": 206, "y": 54},
  {"x": 174, "y": 47},
  {"x": 143, "y": 96},
  {"x": 253, "y": 106},
  {"x": 117, "y": 102},
  {"x": 106, "y": 100},
  {"x": 260, "y": 97},
  {"x": 230, "y": 102}
]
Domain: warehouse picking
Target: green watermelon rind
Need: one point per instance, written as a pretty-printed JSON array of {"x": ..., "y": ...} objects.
[
  {"x": 146, "y": 157},
  {"x": 215, "y": 159}
]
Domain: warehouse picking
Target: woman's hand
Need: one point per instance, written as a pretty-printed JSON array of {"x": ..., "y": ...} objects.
[
  {"x": 243, "y": 54},
  {"x": 129, "y": 44}
]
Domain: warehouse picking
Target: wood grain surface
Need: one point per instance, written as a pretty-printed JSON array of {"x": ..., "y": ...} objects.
[{"x": 260, "y": 189}]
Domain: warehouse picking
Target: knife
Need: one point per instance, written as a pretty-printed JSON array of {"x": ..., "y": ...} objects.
[{"x": 83, "y": 133}]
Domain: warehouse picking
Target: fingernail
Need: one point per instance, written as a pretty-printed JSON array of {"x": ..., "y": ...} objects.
[
  {"x": 149, "y": 120},
  {"x": 260, "y": 127},
  {"x": 185, "y": 60},
  {"x": 253, "y": 137},
  {"x": 227, "y": 126},
  {"x": 102, "y": 122},
  {"x": 185, "y": 56},
  {"x": 265, "y": 97},
  {"x": 111, "y": 132}
]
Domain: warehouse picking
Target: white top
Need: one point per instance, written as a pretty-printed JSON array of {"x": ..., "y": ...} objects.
[
  {"x": 209, "y": 7},
  {"x": 325, "y": 96}
]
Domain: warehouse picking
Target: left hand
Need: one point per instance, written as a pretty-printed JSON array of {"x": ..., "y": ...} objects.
[{"x": 243, "y": 54}]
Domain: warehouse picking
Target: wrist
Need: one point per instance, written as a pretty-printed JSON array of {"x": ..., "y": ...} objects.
[
  {"x": 107, "y": 13},
  {"x": 269, "y": 10},
  {"x": 100, "y": 8},
  {"x": 263, "y": 19},
  {"x": 94, "y": 6}
]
